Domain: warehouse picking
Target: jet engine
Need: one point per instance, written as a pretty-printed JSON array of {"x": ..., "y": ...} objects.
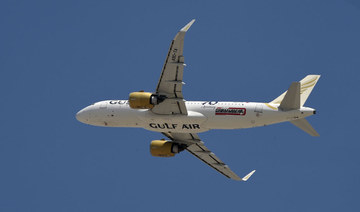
[
  {"x": 144, "y": 100},
  {"x": 163, "y": 148}
]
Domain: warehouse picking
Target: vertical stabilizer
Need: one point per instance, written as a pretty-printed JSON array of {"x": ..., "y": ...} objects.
[{"x": 306, "y": 86}]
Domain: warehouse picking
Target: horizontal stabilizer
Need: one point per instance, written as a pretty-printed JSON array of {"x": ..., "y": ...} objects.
[
  {"x": 291, "y": 99},
  {"x": 305, "y": 126}
]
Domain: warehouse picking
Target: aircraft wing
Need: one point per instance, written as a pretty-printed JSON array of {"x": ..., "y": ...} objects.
[
  {"x": 171, "y": 78},
  {"x": 195, "y": 146}
]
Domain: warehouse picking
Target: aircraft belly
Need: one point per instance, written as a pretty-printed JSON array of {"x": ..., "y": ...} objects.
[
  {"x": 229, "y": 122},
  {"x": 197, "y": 120},
  {"x": 270, "y": 116},
  {"x": 254, "y": 115},
  {"x": 116, "y": 116},
  {"x": 230, "y": 117},
  {"x": 191, "y": 123}
]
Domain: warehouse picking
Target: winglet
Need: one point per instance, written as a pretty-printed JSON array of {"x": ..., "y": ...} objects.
[
  {"x": 186, "y": 28},
  {"x": 248, "y": 176}
]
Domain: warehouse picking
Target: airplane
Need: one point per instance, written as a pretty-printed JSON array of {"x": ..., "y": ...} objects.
[{"x": 166, "y": 111}]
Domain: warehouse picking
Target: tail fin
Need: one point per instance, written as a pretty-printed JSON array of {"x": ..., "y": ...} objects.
[
  {"x": 305, "y": 125},
  {"x": 306, "y": 86},
  {"x": 295, "y": 98}
]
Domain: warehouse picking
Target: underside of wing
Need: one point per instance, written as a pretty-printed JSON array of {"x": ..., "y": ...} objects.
[
  {"x": 171, "y": 78},
  {"x": 196, "y": 147},
  {"x": 200, "y": 151}
]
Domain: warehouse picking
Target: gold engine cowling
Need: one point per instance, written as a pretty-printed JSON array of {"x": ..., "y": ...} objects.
[
  {"x": 144, "y": 100},
  {"x": 162, "y": 148},
  {"x": 141, "y": 100}
]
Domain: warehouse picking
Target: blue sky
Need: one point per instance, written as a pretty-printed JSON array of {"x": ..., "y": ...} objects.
[{"x": 57, "y": 57}]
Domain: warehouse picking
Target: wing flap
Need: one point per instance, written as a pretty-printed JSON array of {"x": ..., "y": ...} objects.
[{"x": 200, "y": 151}]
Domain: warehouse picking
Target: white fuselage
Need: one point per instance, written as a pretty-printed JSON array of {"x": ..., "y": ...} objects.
[{"x": 202, "y": 116}]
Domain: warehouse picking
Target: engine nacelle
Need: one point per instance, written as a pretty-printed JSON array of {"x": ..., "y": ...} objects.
[
  {"x": 163, "y": 148},
  {"x": 144, "y": 100}
]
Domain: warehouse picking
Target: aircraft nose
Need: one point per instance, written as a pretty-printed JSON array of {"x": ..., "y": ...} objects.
[{"x": 82, "y": 116}]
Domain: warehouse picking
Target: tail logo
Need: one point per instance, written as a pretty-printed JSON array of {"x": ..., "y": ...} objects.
[{"x": 308, "y": 84}]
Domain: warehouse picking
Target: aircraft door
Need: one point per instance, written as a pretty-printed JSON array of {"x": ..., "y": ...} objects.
[
  {"x": 259, "y": 108},
  {"x": 103, "y": 105}
]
